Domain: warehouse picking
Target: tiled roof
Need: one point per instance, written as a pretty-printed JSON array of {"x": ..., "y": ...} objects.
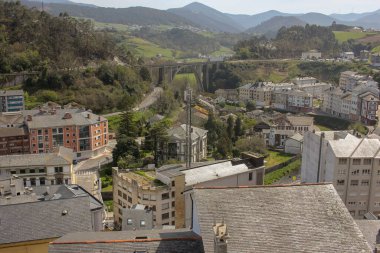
[
  {"x": 369, "y": 228},
  {"x": 344, "y": 147},
  {"x": 44, "y": 219},
  {"x": 43, "y": 119},
  {"x": 179, "y": 132},
  {"x": 44, "y": 159},
  {"x": 367, "y": 148},
  {"x": 298, "y": 218},
  {"x": 159, "y": 241}
]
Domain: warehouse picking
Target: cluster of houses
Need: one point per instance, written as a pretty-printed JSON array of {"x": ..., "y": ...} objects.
[
  {"x": 356, "y": 98},
  {"x": 296, "y": 96}
]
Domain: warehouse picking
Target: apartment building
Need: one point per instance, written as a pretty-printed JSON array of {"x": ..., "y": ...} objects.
[
  {"x": 259, "y": 92},
  {"x": 40, "y": 169},
  {"x": 162, "y": 190},
  {"x": 82, "y": 131},
  {"x": 300, "y": 81},
  {"x": 358, "y": 103},
  {"x": 176, "y": 144},
  {"x": 11, "y": 100},
  {"x": 375, "y": 60},
  {"x": 316, "y": 90},
  {"x": 349, "y": 79},
  {"x": 14, "y": 141},
  {"x": 284, "y": 127},
  {"x": 352, "y": 164},
  {"x": 354, "y": 168}
]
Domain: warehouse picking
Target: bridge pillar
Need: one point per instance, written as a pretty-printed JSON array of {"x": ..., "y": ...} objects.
[{"x": 161, "y": 75}]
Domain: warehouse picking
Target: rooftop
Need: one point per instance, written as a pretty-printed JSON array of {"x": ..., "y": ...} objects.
[
  {"x": 159, "y": 241},
  {"x": 11, "y": 93},
  {"x": 369, "y": 229},
  {"x": 296, "y": 218},
  {"x": 179, "y": 132},
  {"x": 64, "y": 156},
  {"x": 13, "y": 131},
  {"x": 61, "y": 117},
  {"x": 44, "y": 219}
]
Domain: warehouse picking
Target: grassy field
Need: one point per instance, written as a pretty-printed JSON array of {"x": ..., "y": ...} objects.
[
  {"x": 376, "y": 49},
  {"x": 274, "y": 176},
  {"x": 345, "y": 36},
  {"x": 275, "y": 158},
  {"x": 147, "y": 49},
  {"x": 109, "y": 204},
  {"x": 323, "y": 128}
]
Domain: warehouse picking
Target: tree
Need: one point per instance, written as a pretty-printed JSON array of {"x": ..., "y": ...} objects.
[
  {"x": 156, "y": 140},
  {"x": 254, "y": 144},
  {"x": 250, "y": 105},
  {"x": 128, "y": 125},
  {"x": 230, "y": 127},
  {"x": 125, "y": 146},
  {"x": 238, "y": 129},
  {"x": 223, "y": 147}
]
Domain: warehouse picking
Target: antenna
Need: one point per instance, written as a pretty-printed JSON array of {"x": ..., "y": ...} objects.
[
  {"x": 188, "y": 98},
  {"x": 42, "y": 5}
]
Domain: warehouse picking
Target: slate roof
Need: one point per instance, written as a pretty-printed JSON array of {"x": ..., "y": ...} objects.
[
  {"x": 43, "y": 159},
  {"x": 11, "y": 118},
  {"x": 297, "y": 137},
  {"x": 369, "y": 229},
  {"x": 367, "y": 148},
  {"x": 297, "y": 218},
  {"x": 44, "y": 119},
  {"x": 44, "y": 219},
  {"x": 344, "y": 147},
  {"x": 179, "y": 132},
  {"x": 159, "y": 241}
]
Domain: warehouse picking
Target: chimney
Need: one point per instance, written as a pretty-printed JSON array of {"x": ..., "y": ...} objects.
[
  {"x": 220, "y": 239},
  {"x": 99, "y": 118},
  {"x": 67, "y": 116},
  {"x": 29, "y": 118},
  {"x": 88, "y": 116}
]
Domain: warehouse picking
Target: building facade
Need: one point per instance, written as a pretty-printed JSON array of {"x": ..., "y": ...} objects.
[
  {"x": 11, "y": 100},
  {"x": 40, "y": 169},
  {"x": 14, "y": 141},
  {"x": 312, "y": 54}
]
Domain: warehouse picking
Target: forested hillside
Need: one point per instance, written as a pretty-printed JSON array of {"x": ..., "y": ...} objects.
[
  {"x": 31, "y": 40},
  {"x": 290, "y": 43},
  {"x": 61, "y": 49}
]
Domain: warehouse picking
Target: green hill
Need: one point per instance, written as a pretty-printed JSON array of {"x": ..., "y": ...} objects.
[{"x": 345, "y": 36}]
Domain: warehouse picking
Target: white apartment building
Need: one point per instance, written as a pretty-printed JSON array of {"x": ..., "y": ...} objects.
[
  {"x": 40, "y": 169},
  {"x": 292, "y": 100},
  {"x": 259, "y": 92},
  {"x": 349, "y": 79},
  {"x": 312, "y": 54},
  {"x": 352, "y": 164},
  {"x": 300, "y": 81}
]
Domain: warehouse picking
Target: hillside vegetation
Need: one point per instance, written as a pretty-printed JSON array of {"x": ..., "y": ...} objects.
[{"x": 343, "y": 36}]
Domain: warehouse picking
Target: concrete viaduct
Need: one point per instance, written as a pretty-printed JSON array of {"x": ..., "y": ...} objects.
[{"x": 167, "y": 72}]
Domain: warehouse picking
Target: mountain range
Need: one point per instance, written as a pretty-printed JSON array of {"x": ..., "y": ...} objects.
[{"x": 202, "y": 16}]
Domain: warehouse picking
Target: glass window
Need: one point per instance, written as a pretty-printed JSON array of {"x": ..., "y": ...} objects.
[
  {"x": 165, "y": 206},
  {"x": 356, "y": 161},
  {"x": 165, "y": 196},
  {"x": 129, "y": 222},
  {"x": 354, "y": 182}
]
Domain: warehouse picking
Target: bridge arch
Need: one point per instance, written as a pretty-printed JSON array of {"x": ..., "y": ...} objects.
[{"x": 195, "y": 69}]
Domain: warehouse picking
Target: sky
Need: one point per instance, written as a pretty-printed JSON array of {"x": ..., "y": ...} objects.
[{"x": 253, "y": 6}]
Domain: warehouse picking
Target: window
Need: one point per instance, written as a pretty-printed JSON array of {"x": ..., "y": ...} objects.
[
  {"x": 58, "y": 169},
  {"x": 119, "y": 193},
  {"x": 342, "y": 160},
  {"x": 32, "y": 171},
  {"x": 129, "y": 199},
  {"x": 173, "y": 214},
  {"x": 173, "y": 204},
  {"x": 367, "y": 161},
  {"x": 165, "y": 216},
  {"x": 42, "y": 181},
  {"x": 173, "y": 183},
  {"x": 142, "y": 223},
  {"x": 33, "y": 181},
  {"x": 365, "y": 183},
  {"x": 124, "y": 196},
  {"x": 129, "y": 222},
  {"x": 250, "y": 176},
  {"x": 377, "y": 204},
  {"x": 173, "y": 194},
  {"x": 355, "y": 172},
  {"x": 354, "y": 182},
  {"x": 341, "y": 171},
  {"x": 366, "y": 172},
  {"x": 145, "y": 197},
  {"x": 352, "y": 203},
  {"x": 22, "y": 171},
  {"x": 41, "y": 170},
  {"x": 340, "y": 182},
  {"x": 378, "y": 172},
  {"x": 356, "y": 161},
  {"x": 165, "y": 206},
  {"x": 165, "y": 196}
]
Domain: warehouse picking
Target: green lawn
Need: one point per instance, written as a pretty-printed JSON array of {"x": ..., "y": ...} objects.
[
  {"x": 345, "y": 36},
  {"x": 274, "y": 176},
  {"x": 275, "y": 158},
  {"x": 323, "y": 128}
]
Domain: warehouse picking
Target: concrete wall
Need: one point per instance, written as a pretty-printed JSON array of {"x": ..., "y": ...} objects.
[{"x": 293, "y": 147}]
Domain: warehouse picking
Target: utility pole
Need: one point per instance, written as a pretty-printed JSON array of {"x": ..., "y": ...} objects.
[
  {"x": 188, "y": 99},
  {"x": 42, "y": 5}
]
